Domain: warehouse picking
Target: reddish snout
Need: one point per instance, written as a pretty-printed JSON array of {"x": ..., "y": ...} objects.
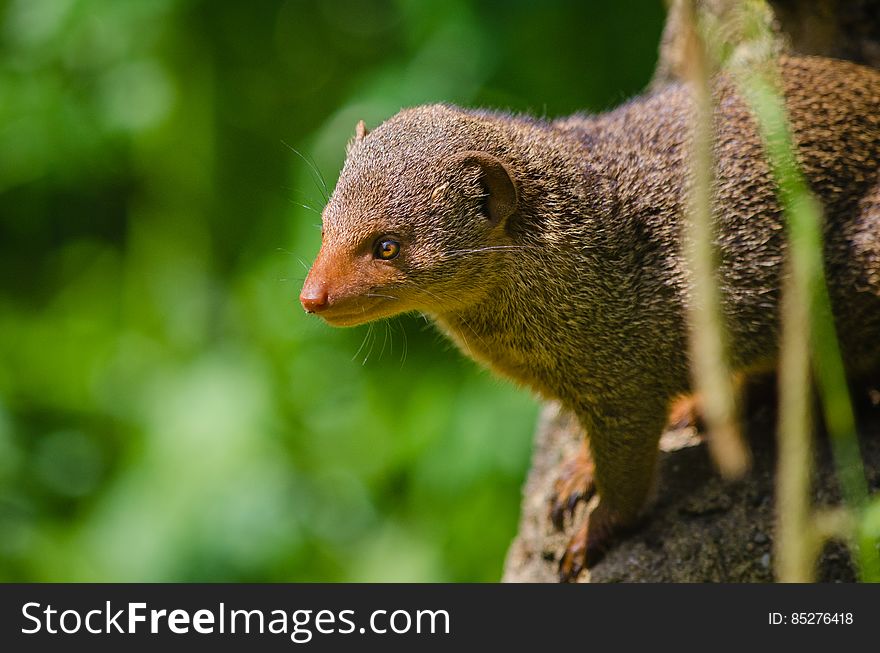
[
  {"x": 338, "y": 288},
  {"x": 327, "y": 283},
  {"x": 314, "y": 296}
]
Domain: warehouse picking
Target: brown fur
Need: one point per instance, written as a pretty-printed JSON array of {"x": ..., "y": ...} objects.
[{"x": 580, "y": 292}]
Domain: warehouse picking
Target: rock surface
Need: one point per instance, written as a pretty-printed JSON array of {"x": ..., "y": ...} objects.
[{"x": 701, "y": 528}]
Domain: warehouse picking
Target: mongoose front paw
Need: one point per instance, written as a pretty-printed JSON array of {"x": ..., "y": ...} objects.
[
  {"x": 574, "y": 484},
  {"x": 587, "y": 546},
  {"x": 686, "y": 412}
]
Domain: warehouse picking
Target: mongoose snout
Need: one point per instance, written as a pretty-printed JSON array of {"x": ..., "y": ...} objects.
[
  {"x": 313, "y": 297},
  {"x": 344, "y": 288}
]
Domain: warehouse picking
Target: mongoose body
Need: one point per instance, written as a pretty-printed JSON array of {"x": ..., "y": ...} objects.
[{"x": 552, "y": 252}]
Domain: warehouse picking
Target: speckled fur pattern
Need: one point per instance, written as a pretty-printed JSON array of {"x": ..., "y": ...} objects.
[{"x": 581, "y": 293}]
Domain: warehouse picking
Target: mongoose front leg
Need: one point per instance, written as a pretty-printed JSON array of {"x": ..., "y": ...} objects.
[
  {"x": 576, "y": 481},
  {"x": 624, "y": 441}
]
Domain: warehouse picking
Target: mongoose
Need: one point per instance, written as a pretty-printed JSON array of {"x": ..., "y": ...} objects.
[{"x": 551, "y": 252}]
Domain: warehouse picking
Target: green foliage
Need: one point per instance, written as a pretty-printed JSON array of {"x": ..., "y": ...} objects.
[{"x": 166, "y": 410}]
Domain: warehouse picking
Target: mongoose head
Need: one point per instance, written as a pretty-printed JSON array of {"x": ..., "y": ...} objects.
[{"x": 416, "y": 221}]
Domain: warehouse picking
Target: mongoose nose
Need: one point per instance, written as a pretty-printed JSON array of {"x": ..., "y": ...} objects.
[{"x": 313, "y": 298}]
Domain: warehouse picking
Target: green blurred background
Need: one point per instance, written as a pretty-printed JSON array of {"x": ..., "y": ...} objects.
[{"x": 167, "y": 411}]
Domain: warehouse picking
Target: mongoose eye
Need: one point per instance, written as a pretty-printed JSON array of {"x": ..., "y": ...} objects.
[{"x": 386, "y": 249}]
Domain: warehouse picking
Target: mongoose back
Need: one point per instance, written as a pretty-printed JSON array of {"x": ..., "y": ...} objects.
[{"x": 552, "y": 252}]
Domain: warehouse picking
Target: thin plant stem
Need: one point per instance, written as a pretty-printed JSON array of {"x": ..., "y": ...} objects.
[{"x": 712, "y": 377}]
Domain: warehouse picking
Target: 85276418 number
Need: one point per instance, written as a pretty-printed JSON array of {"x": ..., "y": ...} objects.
[{"x": 810, "y": 618}]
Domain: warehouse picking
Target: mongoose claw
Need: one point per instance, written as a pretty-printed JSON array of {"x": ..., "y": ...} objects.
[
  {"x": 574, "y": 484},
  {"x": 587, "y": 546}
]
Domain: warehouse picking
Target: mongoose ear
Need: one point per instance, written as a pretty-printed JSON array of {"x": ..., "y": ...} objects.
[
  {"x": 360, "y": 131},
  {"x": 497, "y": 179}
]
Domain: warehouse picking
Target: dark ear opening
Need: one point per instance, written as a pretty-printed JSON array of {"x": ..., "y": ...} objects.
[{"x": 497, "y": 180}]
